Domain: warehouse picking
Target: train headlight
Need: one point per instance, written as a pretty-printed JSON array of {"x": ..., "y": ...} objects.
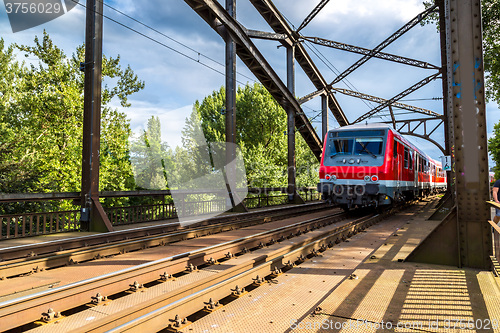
[
  {"x": 327, "y": 177},
  {"x": 334, "y": 177},
  {"x": 374, "y": 178},
  {"x": 367, "y": 178}
]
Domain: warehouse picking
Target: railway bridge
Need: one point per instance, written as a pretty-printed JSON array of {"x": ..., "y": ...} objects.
[{"x": 218, "y": 256}]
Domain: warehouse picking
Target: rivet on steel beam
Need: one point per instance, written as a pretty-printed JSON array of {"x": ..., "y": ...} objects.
[
  {"x": 191, "y": 267},
  {"x": 98, "y": 298},
  {"x": 135, "y": 286},
  {"x": 165, "y": 276},
  {"x": 237, "y": 291},
  {"x": 211, "y": 261},
  {"x": 50, "y": 315}
]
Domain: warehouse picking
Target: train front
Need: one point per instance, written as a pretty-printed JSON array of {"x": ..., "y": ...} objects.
[{"x": 355, "y": 166}]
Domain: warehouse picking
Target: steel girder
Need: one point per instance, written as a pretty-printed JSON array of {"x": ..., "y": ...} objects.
[
  {"x": 315, "y": 12},
  {"x": 218, "y": 18},
  {"x": 273, "y": 17},
  {"x": 467, "y": 111},
  {"x": 407, "y": 128},
  {"x": 402, "y": 94},
  {"x": 384, "y": 101},
  {"x": 401, "y": 31},
  {"x": 364, "y": 51}
]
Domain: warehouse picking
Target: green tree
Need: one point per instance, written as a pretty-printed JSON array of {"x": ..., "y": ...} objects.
[
  {"x": 261, "y": 133},
  {"x": 42, "y": 112},
  {"x": 494, "y": 148},
  {"x": 150, "y": 156}
]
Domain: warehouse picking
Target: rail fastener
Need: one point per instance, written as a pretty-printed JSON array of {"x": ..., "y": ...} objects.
[
  {"x": 165, "y": 276},
  {"x": 50, "y": 316},
  {"x": 212, "y": 306}
]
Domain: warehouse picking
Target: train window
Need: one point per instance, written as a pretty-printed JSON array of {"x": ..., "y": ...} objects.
[
  {"x": 345, "y": 134},
  {"x": 368, "y": 146},
  {"x": 406, "y": 158},
  {"x": 341, "y": 146},
  {"x": 411, "y": 160},
  {"x": 395, "y": 149}
]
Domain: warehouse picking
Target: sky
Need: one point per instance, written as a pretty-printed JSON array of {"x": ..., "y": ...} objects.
[{"x": 184, "y": 61}]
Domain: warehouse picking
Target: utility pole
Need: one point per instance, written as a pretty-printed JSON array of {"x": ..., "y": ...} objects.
[{"x": 93, "y": 217}]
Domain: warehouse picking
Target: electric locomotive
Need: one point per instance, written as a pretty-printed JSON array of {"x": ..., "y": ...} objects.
[{"x": 373, "y": 165}]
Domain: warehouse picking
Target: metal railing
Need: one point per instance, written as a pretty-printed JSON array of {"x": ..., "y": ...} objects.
[
  {"x": 32, "y": 224},
  {"x": 39, "y": 223}
]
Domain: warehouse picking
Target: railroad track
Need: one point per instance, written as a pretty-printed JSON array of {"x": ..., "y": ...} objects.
[
  {"x": 259, "y": 254},
  {"x": 82, "y": 249},
  {"x": 33, "y": 250}
]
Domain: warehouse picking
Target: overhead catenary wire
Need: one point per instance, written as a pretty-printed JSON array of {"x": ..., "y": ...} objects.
[{"x": 163, "y": 44}]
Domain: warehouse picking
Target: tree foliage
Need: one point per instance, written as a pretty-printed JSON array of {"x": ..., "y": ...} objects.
[
  {"x": 261, "y": 125},
  {"x": 150, "y": 156},
  {"x": 41, "y": 117}
]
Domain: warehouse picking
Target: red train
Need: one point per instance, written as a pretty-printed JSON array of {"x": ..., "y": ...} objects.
[{"x": 373, "y": 165}]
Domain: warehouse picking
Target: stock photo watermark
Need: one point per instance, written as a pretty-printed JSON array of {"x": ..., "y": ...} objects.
[{"x": 25, "y": 14}]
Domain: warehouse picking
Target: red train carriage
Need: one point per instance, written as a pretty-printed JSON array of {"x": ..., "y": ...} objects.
[{"x": 373, "y": 165}]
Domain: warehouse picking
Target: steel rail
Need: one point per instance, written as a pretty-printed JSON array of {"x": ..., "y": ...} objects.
[
  {"x": 16, "y": 312},
  {"x": 50, "y": 247},
  {"x": 62, "y": 258},
  {"x": 155, "y": 315}
]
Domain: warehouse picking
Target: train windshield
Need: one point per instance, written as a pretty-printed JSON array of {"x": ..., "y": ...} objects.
[
  {"x": 341, "y": 146},
  {"x": 360, "y": 147},
  {"x": 368, "y": 146}
]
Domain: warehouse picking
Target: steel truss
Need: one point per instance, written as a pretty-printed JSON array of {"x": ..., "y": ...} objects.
[
  {"x": 410, "y": 127},
  {"x": 279, "y": 25},
  {"x": 315, "y": 12},
  {"x": 417, "y": 19},
  {"x": 385, "y": 101},
  {"x": 402, "y": 94},
  {"x": 368, "y": 52},
  {"x": 218, "y": 18}
]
